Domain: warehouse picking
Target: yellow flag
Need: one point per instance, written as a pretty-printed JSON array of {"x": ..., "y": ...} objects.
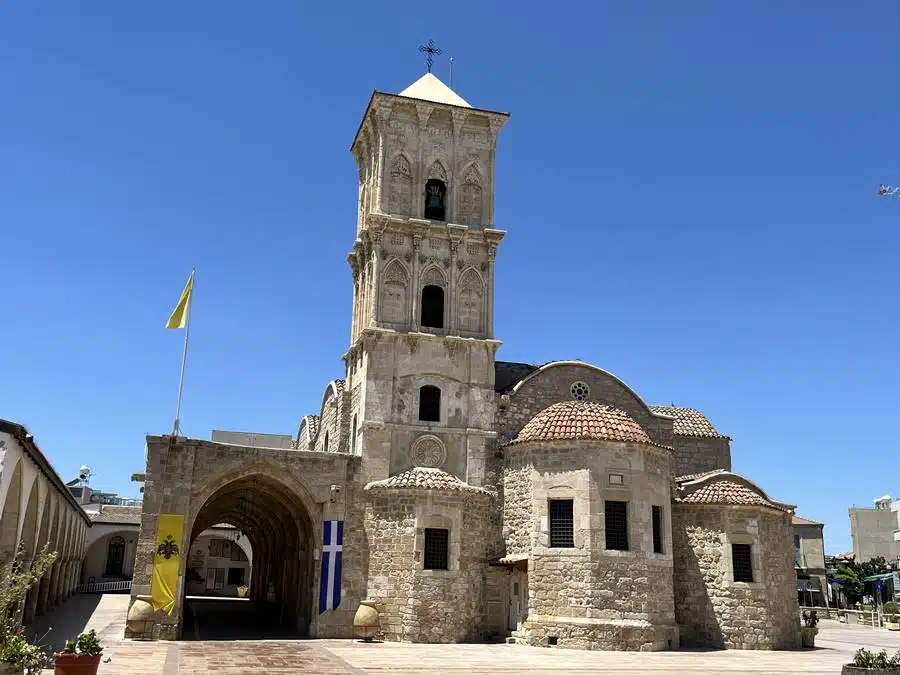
[
  {"x": 179, "y": 316},
  {"x": 169, "y": 549}
]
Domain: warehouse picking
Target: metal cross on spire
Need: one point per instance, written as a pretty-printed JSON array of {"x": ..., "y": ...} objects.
[{"x": 430, "y": 51}]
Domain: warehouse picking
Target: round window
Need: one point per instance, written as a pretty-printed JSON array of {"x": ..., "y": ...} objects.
[{"x": 580, "y": 391}]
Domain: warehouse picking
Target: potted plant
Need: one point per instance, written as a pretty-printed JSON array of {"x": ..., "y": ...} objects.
[
  {"x": 842, "y": 616},
  {"x": 80, "y": 656},
  {"x": 809, "y": 630},
  {"x": 243, "y": 590},
  {"x": 17, "y": 654},
  {"x": 866, "y": 662}
]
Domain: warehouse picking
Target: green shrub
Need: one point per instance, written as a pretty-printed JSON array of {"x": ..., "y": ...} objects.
[
  {"x": 863, "y": 658},
  {"x": 85, "y": 644}
]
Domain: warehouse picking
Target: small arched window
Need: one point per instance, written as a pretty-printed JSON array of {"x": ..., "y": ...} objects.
[
  {"x": 325, "y": 444},
  {"x": 432, "y": 307},
  {"x": 435, "y": 199},
  {"x": 115, "y": 557},
  {"x": 353, "y": 436},
  {"x": 429, "y": 404}
]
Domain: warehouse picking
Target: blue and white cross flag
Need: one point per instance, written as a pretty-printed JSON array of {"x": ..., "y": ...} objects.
[{"x": 332, "y": 560}]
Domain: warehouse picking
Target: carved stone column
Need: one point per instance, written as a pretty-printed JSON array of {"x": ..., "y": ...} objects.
[
  {"x": 492, "y": 254},
  {"x": 376, "y": 265},
  {"x": 452, "y": 328},
  {"x": 414, "y": 282}
]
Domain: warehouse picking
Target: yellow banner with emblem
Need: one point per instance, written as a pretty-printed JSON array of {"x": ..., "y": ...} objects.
[{"x": 164, "y": 586}]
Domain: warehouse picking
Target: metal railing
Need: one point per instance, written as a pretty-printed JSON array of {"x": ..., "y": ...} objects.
[{"x": 105, "y": 587}]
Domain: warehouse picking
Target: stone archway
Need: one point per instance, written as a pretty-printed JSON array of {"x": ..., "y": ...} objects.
[
  {"x": 278, "y": 525},
  {"x": 9, "y": 517}
]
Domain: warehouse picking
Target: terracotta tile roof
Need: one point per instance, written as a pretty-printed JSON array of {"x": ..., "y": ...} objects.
[
  {"x": 797, "y": 520},
  {"x": 312, "y": 422},
  {"x": 721, "y": 487},
  {"x": 119, "y": 515},
  {"x": 508, "y": 373},
  {"x": 694, "y": 476},
  {"x": 688, "y": 421},
  {"x": 424, "y": 478},
  {"x": 582, "y": 420}
]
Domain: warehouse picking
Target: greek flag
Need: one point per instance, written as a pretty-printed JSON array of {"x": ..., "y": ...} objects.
[{"x": 332, "y": 559}]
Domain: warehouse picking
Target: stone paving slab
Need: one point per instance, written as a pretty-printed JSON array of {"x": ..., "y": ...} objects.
[{"x": 835, "y": 646}]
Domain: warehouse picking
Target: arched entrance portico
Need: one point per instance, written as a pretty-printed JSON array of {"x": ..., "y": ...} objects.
[{"x": 275, "y": 520}]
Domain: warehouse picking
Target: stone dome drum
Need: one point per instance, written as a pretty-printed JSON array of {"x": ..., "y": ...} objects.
[{"x": 582, "y": 420}]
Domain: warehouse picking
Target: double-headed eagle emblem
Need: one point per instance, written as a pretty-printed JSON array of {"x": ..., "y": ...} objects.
[{"x": 168, "y": 548}]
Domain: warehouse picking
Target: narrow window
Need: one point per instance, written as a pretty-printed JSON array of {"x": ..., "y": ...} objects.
[
  {"x": 437, "y": 548},
  {"x": 353, "y": 436},
  {"x": 616, "y": 526},
  {"x": 115, "y": 557},
  {"x": 741, "y": 562},
  {"x": 657, "y": 530},
  {"x": 432, "y": 307},
  {"x": 325, "y": 444},
  {"x": 562, "y": 523},
  {"x": 429, "y": 404},
  {"x": 435, "y": 196}
]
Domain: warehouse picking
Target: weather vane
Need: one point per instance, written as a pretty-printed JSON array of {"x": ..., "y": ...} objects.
[{"x": 430, "y": 51}]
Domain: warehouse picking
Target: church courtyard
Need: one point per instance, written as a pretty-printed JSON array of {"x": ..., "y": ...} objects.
[{"x": 835, "y": 646}]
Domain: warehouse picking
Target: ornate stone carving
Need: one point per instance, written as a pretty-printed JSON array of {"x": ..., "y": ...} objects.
[
  {"x": 401, "y": 186},
  {"x": 438, "y": 171},
  {"x": 433, "y": 277},
  {"x": 428, "y": 451},
  {"x": 395, "y": 293},
  {"x": 470, "y": 301}
]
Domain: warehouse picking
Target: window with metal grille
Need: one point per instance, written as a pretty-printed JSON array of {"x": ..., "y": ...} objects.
[
  {"x": 616, "y": 526},
  {"x": 437, "y": 548},
  {"x": 562, "y": 523},
  {"x": 657, "y": 529},
  {"x": 741, "y": 562},
  {"x": 429, "y": 404}
]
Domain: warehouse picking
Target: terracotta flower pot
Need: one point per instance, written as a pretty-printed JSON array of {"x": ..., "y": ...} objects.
[
  {"x": 76, "y": 664},
  {"x": 808, "y": 636}
]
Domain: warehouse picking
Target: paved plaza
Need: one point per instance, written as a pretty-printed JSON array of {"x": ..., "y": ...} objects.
[{"x": 835, "y": 646}]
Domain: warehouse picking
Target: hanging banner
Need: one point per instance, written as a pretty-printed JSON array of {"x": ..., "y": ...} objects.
[{"x": 164, "y": 586}]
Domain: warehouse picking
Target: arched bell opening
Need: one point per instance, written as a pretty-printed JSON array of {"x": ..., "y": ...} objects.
[
  {"x": 435, "y": 199},
  {"x": 275, "y": 524}
]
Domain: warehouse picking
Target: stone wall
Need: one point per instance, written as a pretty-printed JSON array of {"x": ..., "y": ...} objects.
[
  {"x": 552, "y": 385},
  {"x": 188, "y": 476},
  {"x": 696, "y": 454},
  {"x": 419, "y": 605},
  {"x": 712, "y": 609},
  {"x": 588, "y": 596}
]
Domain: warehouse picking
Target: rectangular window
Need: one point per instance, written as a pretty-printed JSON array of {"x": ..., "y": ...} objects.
[
  {"x": 562, "y": 523},
  {"x": 616, "y": 526},
  {"x": 657, "y": 529},
  {"x": 437, "y": 548},
  {"x": 741, "y": 562}
]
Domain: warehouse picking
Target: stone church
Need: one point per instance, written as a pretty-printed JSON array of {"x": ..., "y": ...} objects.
[{"x": 466, "y": 498}]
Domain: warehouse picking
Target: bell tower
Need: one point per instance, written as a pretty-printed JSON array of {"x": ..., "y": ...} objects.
[{"x": 420, "y": 366}]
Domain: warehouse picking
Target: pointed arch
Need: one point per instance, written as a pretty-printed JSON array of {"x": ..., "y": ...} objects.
[
  {"x": 470, "y": 301},
  {"x": 438, "y": 171},
  {"x": 9, "y": 516},
  {"x": 401, "y": 186},
  {"x": 471, "y": 195},
  {"x": 434, "y": 276},
  {"x": 394, "y": 301},
  {"x": 434, "y": 288}
]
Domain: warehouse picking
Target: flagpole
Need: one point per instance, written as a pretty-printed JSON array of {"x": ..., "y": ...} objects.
[{"x": 187, "y": 334}]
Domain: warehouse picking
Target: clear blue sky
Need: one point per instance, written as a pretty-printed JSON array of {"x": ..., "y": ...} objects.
[{"x": 688, "y": 187}]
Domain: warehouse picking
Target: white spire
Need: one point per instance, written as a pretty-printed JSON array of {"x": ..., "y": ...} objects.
[{"x": 430, "y": 88}]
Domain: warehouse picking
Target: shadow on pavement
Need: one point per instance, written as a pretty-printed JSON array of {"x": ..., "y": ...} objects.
[
  {"x": 232, "y": 619},
  {"x": 63, "y": 622}
]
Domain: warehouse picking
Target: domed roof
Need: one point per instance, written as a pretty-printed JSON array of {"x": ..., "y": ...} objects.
[
  {"x": 424, "y": 478},
  {"x": 582, "y": 420}
]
